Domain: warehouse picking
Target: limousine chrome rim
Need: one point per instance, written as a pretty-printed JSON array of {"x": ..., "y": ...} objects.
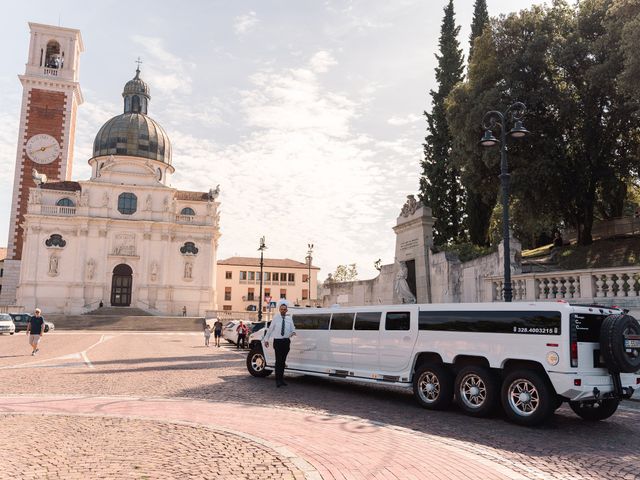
[
  {"x": 257, "y": 362},
  {"x": 524, "y": 397},
  {"x": 473, "y": 390},
  {"x": 429, "y": 387}
]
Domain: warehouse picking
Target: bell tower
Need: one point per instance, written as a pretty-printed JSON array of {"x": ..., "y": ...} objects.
[{"x": 50, "y": 98}]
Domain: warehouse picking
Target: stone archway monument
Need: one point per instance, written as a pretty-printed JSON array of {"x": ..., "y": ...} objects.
[{"x": 414, "y": 239}]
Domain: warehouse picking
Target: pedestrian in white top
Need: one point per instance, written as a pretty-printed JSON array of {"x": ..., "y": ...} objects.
[{"x": 281, "y": 330}]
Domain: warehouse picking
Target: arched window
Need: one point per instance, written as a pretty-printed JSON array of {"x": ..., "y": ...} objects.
[
  {"x": 189, "y": 248},
  {"x": 65, "y": 202},
  {"x": 188, "y": 211},
  {"x": 53, "y": 58},
  {"x": 127, "y": 203},
  {"x": 135, "y": 104}
]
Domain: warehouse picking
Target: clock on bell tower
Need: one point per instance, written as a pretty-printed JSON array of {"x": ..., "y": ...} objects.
[{"x": 50, "y": 98}]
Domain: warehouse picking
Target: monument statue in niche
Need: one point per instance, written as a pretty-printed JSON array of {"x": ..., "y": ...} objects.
[{"x": 401, "y": 288}]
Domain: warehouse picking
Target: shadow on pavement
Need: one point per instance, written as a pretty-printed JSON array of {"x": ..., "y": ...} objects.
[{"x": 565, "y": 439}]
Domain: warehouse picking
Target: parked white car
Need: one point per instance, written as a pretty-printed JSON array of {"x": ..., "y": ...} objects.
[
  {"x": 6, "y": 324},
  {"x": 229, "y": 332},
  {"x": 527, "y": 357}
]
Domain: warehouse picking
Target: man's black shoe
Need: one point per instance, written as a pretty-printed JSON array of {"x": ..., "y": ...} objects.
[{"x": 284, "y": 384}]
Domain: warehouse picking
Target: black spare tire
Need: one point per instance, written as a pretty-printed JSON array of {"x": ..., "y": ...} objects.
[{"x": 618, "y": 357}]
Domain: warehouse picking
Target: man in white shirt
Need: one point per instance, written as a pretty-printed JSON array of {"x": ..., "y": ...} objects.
[{"x": 281, "y": 330}]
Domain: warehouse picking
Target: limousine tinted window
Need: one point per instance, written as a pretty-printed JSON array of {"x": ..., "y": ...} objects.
[
  {"x": 397, "y": 321},
  {"x": 528, "y": 322},
  {"x": 318, "y": 321},
  {"x": 342, "y": 321},
  {"x": 368, "y": 320}
]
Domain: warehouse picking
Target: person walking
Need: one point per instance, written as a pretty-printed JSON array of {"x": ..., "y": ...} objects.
[
  {"x": 217, "y": 332},
  {"x": 281, "y": 330},
  {"x": 207, "y": 335},
  {"x": 184, "y": 311},
  {"x": 35, "y": 330},
  {"x": 242, "y": 331}
]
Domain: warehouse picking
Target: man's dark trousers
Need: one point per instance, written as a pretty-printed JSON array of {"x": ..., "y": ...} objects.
[{"x": 281, "y": 346}]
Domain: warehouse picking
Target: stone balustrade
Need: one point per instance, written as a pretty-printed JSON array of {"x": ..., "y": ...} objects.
[
  {"x": 57, "y": 210},
  {"x": 587, "y": 285}
]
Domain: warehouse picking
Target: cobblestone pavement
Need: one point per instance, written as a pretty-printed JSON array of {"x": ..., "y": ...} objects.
[
  {"x": 73, "y": 447},
  {"x": 177, "y": 366}
]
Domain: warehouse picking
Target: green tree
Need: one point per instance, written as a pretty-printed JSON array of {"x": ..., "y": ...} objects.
[
  {"x": 440, "y": 186},
  {"x": 479, "y": 22},
  {"x": 345, "y": 273},
  {"x": 567, "y": 64}
]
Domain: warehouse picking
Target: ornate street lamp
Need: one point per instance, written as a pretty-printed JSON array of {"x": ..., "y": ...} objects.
[
  {"x": 309, "y": 258},
  {"x": 491, "y": 120},
  {"x": 261, "y": 248}
]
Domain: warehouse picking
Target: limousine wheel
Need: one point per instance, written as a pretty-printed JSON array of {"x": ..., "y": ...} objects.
[
  {"x": 256, "y": 364},
  {"x": 613, "y": 335},
  {"x": 526, "y": 397},
  {"x": 433, "y": 386},
  {"x": 477, "y": 391},
  {"x": 594, "y": 411}
]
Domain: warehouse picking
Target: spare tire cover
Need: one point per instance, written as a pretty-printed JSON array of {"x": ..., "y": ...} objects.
[{"x": 617, "y": 358}]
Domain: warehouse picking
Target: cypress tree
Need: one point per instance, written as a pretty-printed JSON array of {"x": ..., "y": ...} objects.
[
  {"x": 440, "y": 186},
  {"x": 478, "y": 23},
  {"x": 480, "y": 203}
]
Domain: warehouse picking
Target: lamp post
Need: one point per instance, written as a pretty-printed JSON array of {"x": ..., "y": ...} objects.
[
  {"x": 309, "y": 258},
  {"x": 490, "y": 120},
  {"x": 261, "y": 248}
]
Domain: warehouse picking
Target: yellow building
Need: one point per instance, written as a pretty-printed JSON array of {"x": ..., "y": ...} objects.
[{"x": 238, "y": 283}]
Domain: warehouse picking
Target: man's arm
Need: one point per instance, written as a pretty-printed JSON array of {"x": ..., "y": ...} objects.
[{"x": 267, "y": 336}]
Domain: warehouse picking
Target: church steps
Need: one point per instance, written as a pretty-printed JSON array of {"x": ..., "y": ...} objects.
[{"x": 126, "y": 323}]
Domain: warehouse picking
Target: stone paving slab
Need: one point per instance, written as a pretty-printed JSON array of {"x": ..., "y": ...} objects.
[{"x": 322, "y": 446}]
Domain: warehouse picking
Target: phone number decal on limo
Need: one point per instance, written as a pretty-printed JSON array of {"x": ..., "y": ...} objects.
[{"x": 534, "y": 330}]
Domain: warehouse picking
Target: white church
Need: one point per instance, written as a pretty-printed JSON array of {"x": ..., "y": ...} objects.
[{"x": 124, "y": 237}]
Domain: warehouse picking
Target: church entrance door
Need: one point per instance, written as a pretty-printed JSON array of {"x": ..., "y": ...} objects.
[{"x": 121, "y": 284}]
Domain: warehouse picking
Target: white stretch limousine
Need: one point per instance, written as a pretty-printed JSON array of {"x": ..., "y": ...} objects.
[{"x": 529, "y": 357}]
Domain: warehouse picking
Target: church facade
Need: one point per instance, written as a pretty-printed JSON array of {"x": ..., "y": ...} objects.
[{"x": 122, "y": 238}]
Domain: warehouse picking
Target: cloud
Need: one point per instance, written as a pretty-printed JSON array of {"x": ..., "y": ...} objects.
[
  {"x": 245, "y": 23},
  {"x": 322, "y": 61},
  {"x": 304, "y": 173},
  {"x": 167, "y": 72},
  {"x": 398, "y": 121}
]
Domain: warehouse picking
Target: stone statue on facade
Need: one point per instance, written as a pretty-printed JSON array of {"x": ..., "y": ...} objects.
[
  {"x": 38, "y": 178},
  {"x": 147, "y": 203},
  {"x": 84, "y": 199},
  {"x": 154, "y": 271},
  {"x": 410, "y": 206},
  {"x": 105, "y": 199},
  {"x": 213, "y": 193},
  {"x": 165, "y": 203},
  {"x": 91, "y": 268},
  {"x": 188, "y": 270},
  {"x": 401, "y": 288},
  {"x": 53, "y": 265}
]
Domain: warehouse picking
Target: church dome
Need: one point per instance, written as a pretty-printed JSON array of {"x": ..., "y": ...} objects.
[{"x": 134, "y": 133}]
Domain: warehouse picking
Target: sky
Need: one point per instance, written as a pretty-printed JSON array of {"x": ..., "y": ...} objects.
[{"x": 307, "y": 113}]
